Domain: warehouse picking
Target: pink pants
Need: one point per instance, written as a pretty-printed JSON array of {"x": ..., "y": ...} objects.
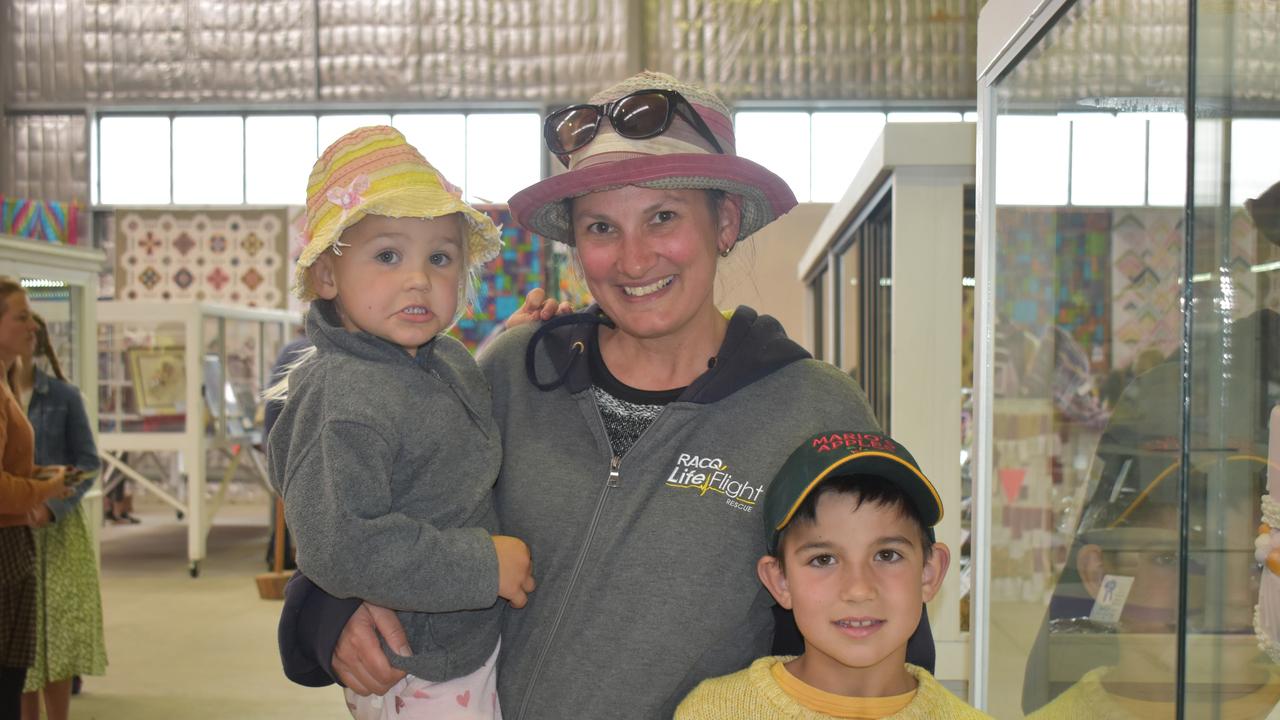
[{"x": 470, "y": 697}]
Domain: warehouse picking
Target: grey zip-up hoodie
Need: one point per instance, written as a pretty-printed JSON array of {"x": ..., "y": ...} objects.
[
  {"x": 386, "y": 464},
  {"x": 645, "y": 563}
]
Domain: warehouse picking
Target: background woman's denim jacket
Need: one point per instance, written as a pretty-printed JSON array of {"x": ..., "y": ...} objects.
[{"x": 63, "y": 435}]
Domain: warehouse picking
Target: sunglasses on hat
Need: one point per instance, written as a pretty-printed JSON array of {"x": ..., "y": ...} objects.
[{"x": 642, "y": 114}]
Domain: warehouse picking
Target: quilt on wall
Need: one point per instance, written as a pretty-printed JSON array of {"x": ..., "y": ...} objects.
[
  {"x": 1146, "y": 262},
  {"x": 235, "y": 258},
  {"x": 503, "y": 281},
  {"x": 1053, "y": 273},
  {"x": 1146, "y": 268},
  {"x": 54, "y": 222}
]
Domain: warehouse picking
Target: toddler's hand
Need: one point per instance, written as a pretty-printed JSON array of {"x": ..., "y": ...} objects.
[{"x": 515, "y": 570}]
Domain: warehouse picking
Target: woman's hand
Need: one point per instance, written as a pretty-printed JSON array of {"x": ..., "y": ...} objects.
[
  {"x": 358, "y": 660},
  {"x": 52, "y": 483},
  {"x": 537, "y": 306},
  {"x": 40, "y": 516}
]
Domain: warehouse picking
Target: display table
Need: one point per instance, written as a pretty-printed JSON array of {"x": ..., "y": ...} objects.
[{"x": 156, "y": 395}]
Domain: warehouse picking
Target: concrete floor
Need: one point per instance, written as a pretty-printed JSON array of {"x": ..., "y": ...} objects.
[{"x": 192, "y": 648}]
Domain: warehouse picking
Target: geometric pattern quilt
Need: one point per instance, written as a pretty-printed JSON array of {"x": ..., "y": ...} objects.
[
  {"x": 230, "y": 257},
  {"x": 1147, "y": 247},
  {"x": 504, "y": 280},
  {"x": 1146, "y": 271}
]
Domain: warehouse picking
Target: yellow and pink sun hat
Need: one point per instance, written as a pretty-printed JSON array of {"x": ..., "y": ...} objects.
[{"x": 375, "y": 171}]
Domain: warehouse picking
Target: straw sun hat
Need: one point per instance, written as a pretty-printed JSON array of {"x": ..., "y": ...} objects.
[
  {"x": 375, "y": 171},
  {"x": 680, "y": 157}
]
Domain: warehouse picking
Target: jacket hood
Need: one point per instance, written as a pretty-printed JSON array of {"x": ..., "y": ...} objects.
[{"x": 754, "y": 346}]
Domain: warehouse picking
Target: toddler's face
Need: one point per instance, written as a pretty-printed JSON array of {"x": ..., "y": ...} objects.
[
  {"x": 397, "y": 278},
  {"x": 855, "y": 579}
]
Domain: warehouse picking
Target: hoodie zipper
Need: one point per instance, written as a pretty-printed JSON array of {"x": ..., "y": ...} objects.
[
  {"x": 612, "y": 482},
  {"x": 475, "y": 416}
]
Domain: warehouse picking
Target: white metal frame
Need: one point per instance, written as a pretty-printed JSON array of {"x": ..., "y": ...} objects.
[
  {"x": 77, "y": 267},
  {"x": 926, "y": 166},
  {"x": 193, "y": 441},
  {"x": 1006, "y": 28}
]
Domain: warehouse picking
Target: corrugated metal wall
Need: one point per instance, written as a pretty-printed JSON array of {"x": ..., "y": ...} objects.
[
  {"x": 866, "y": 50},
  {"x": 46, "y": 157},
  {"x": 178, "y": 51},
  {"x": 1136, "y": 50}
]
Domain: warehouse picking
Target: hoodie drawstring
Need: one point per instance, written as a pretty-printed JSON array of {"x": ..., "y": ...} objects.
[{"x": 576, "y": 350}]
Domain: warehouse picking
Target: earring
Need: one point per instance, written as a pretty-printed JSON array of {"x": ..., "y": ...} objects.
[{"x": 725, "y": 253}]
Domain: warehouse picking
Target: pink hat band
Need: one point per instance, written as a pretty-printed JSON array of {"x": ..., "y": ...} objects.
[{"x": 678, "y": 158}]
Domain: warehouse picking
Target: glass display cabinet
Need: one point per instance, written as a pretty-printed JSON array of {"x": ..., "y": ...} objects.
[
  {"x": 1128, "y": 359},
  {"x": 186, "y": 377}
]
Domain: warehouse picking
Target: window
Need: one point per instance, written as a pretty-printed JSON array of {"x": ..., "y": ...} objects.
[
  {"x": 504, "y": 155},
  {"x": 134, "y": 160},
  {"x": 279, "y": 153},
  {"x": 841, "y": 142},
  {"x": 818, "y": 153},
  {"x": 1032, "y": 159},
  {"x": 332, "y": 127},
  {"x": 208, "y": 160},
  {"x": 267, "y": 159},
  {"x": 1108, "y": 159},
  {"x": 1167, "y": 159},
  {"x": 779, "y": 141},
  {"x": 1255, "y": 158},
  {"x": 442, "y": 140}
]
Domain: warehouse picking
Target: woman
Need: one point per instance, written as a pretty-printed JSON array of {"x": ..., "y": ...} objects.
[
  {"x": 20, "y": 494},
  {"x": 68, "y": 601},
  {"x": 638, "y": 436}
]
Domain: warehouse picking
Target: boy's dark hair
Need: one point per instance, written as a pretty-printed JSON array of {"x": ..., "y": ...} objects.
[{"x": 865, "y": 489}]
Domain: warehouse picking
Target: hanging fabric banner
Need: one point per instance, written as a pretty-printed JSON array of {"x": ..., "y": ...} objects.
[{"x": 53, "y": 222}]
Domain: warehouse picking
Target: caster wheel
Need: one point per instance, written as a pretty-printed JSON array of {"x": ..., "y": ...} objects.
[
  {"x": 180, "y": 514},
  {"x": 194, "y": 569}
]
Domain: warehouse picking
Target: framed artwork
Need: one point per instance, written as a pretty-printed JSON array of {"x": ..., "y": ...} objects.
[{"x": 159, "y": 379}]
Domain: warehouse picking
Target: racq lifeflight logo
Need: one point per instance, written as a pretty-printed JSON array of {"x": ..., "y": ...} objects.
[{"x": 711, "y": 474}]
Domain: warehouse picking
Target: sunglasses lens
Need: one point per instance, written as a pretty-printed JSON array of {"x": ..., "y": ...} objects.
[
  {"x": 571, "y": 128},
  {"x": 641, "y": 115}
]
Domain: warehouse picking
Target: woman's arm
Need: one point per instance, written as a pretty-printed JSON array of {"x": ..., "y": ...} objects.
[
  {"x": 83, "y": 452},
  {"x": 323, "y": 639}
]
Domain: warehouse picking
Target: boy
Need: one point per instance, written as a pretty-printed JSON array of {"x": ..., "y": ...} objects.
[{"x": 851, "y": 552}]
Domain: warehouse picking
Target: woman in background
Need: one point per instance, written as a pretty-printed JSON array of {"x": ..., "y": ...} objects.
[
  {"x": 69, "y": 637},
  {"x": 20, "y": 493}
]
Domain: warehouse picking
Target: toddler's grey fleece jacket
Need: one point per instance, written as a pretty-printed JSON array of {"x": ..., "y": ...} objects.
[{"x": 386, "y": 464}]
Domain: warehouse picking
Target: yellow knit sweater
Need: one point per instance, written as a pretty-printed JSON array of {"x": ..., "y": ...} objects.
[
  {"x": 753, "y": 693},
  {"x": 1090, "y": 698}
]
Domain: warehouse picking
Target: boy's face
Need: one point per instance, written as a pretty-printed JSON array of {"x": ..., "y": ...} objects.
[
  {"x": 855, "y": 579},
  {"x": 397, "y": 278}
]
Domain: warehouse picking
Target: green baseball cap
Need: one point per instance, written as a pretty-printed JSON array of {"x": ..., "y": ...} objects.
[{"x": 843, "y": 453}]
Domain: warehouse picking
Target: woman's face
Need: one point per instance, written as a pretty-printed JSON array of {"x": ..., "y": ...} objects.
[
  {"x": 649, "y": 255},
  {"x": 17, "y": 328}
]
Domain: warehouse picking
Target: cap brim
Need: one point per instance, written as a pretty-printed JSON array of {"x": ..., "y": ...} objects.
[
  {"x": 911, "y": 481},
  {"x": 540, "y": 208}
]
